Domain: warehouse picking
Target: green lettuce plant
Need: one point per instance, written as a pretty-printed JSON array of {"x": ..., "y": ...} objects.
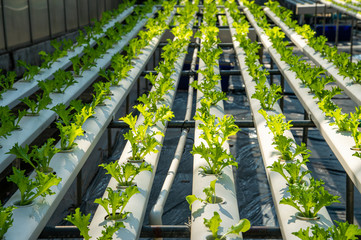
[
  {"x": 214, "y": 223},
  {"x": 38, "y": 158},
  {"x": 30, "y": 189},
  {"x": 309, "y": 199},
  {"x": 117, "y": 200},
  {"x": 125, "y": 173},
  {"x": 6, "y": 221}
]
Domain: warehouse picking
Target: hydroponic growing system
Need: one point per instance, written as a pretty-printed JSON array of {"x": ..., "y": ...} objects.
[{"x": 111, "y": 58}]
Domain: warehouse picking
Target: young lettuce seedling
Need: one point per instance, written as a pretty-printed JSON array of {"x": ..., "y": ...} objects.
[
  {"x": 210, "y": 195},
  {"x": 125, "y": 173},
  {"x": 215, "y": 136},
  {"x": 293, "y": 170},
  {"x": 214, "y": 223},
  {"x": 42, "y": 100},
  {"x": 33, "y": 188},
  {"x": 38, "y": 158},
  {"x": 343, "y": 231},
  {"x": 6, "y": 221},
  {"x": 68, "y": 134},
  {"x": 81, "y": 221},
  {"x": 32, "y": 70},
  {"x": 276, "y": 123},
  {"x": 117, "y": 200},
  {"x": 7, "y": 120},
  {"x": 309, "y": 199}
]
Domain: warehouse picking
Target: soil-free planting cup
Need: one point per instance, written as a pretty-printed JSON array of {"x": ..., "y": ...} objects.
[
  {"x": 121, "y": 187},
  {"x": 355, "y": 148},
  {"x": 67, "y": 150},
  {"x": 107, "y": 217},
  {"x": 17, "y": 204},
  {"x": 135, "y": 161},
  {"x": 47, "y": 170},
  {"x": 208, "y": 173},
  {"x": 217, "y": 200},
  {"x": 299, "y": 216},
  {"x": 32, "y": 114},
  {"x": 210, "y": 237}
]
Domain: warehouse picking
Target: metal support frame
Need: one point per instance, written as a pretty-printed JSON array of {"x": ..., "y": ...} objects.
[
  {"x": 30, "y": 27},
  {"x": 349, "y": 200},
  {"x": 282, "y": 100},
  {"x": 110, "y": 142},
  {"x": 239, "y": 123},
  {"x": 127, "y": 105},
  {"x": 337, "y": 27},
  {"x": 222, "y": 72},
  {"x": 79, "y": 188},
  {"x": 351, "y": 38},
  {"x": 324, "y": 21},
  {"x": 305, "y": 128},
  {"x": 166, "y": 231}
]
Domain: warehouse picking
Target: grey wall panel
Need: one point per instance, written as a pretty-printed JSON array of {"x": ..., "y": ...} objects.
[
  {"x": 71, "y": 14},
  {"x": 16, "y": 22},
  {"x": 83, "y": 12},
  {"x": 39, "y": 18},
  {"x": 57, "y": 21},
  {"x": 93, "y": 9},
  {"x": 108, "y": 5},
  {"x": 2, "y": 40},
  {"x": 101, "y": 8}
]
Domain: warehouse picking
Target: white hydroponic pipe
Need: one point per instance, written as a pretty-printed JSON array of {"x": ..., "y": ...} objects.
[
  {"x": 156, "y": 213},
  {"x": 351, "y": 89}
]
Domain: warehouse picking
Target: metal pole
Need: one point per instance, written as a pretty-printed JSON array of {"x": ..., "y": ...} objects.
[
  {"x": 65, "y": 18},
  {"x": 127, "y": 105},
  {"x": 271, "y": 77},
  {"x": 77, "y": 13},
  {"x": 138, "y": 87},
  {"x": 79, "y": 188},
  {"x": 315, "y": 23},
  {"x": 305, "y": 129},
  {"x": 4, "y": 25},
  {"x": 109, "y": 142},
  {"x": 49, "y": 19},
  {"x": 351, "y": 47},
  {"x": 324, "y": 21},
  {"x": 349, "y": 200},
  {"x": 282, "y": 100},
  {"x": 239, "y": 123},
  {"x": 30, "y": 27},
  {"x": 337, "y": 28}
]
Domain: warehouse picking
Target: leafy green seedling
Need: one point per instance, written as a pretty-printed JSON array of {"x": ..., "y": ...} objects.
[
  {"x": 293, "y": 169},
  {"x": 214, "y": 223},
  {"x": 38, "y": 158},
  {"x": 32, "y": 70},
  {"x": 81, "y": 221},
  {"x": 215, "y": 136},
  {"x": 125, "y": 173},
  {"x": 35, "y": 106},
  {"x": 117, "y": 200},
  {"x": 210, "y": 195},
  {"x": 7, "y": 122},
  {"x": 343, "y": 231},
  {"x": 276, "y": 123},
  {"x": 33, "y": 188},
  {"x": 309, "y": 199},
  {"x": 68, "y": 134},
  {"x": 6, "y": 221}
]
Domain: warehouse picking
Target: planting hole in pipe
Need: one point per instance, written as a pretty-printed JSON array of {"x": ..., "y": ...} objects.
[
  {"x": 300, "y": 217},
  {"x": 17, "y": 204},
  {"x": 211, "y": 237},
  {"x": 118, "y": 217}
]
